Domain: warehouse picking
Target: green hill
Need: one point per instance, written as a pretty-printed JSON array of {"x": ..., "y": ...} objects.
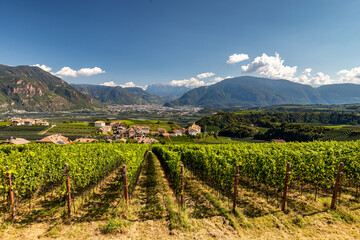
[
  {"x": 340, "y": 93},
  {"x": 33, "y": 89},
  {"x": 250, "y": 92}
]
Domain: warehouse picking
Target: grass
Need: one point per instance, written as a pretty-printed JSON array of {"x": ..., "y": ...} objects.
[
  {"x": 115, "y": 225},
  {"x": 336, "y": 126},
  {"x": 158, "y": 184},
  {"x": 153, "y": 208},
  {"x": 4, "y": 123},
  {"x": 207, "y": 139},
  {"x": 180, "y": 139},
  {"x": 185, "y": 139},
  {"x": 178, "y": 218}
]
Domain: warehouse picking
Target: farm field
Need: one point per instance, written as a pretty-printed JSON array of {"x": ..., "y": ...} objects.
[
  {"x": 27, "y": 132},
  {"x": 153, "y": 124},
  {"x": 99, "y": 208},
  {"x": 72, "y": 130}
]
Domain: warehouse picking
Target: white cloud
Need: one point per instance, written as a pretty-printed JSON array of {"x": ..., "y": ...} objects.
[
  {"x": 219, "y": 79},
  {"x": 205, "y": 75},
  {"x": 271, "y": 67},
  {"x": 68, "y": 72},
  {"x": 190, "y": 83},
  {"x": 43, "y": 67},
  {"x": 194, "y": 82},
  {"x": 89, "y": 71},
  {"x": 320, "y": 79},
  {"x": 315, "y": 80},
  {"x": 126, "y": 85},
  {"x": 350, "y": 76},
  {"x": 109, "y": 84},
  {"x": 235, "y": 58},
  {"x": 131, "y": 84},
  {"x": 304, "y": 77}
]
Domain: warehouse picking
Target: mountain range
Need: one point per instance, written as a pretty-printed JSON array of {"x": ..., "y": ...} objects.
[
  {"x": 33, "y": 89},
  {"x": 166, "y": 91},
  {"x": 253, "y": 91},
  {"x": 118, "y": 95}
]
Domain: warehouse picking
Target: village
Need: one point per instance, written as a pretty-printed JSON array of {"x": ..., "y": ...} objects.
[{"x": 115, "y": 131}]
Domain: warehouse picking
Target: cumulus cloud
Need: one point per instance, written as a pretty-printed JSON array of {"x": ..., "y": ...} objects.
[
  {"x": 66, "y": 72},
  {"x": 194, "y": 82},
  {"x": 270, "y": 66},
  {"x": 190, "y": 83},
  {"x": 43, "y": 67},
  {"x": 109, "y": 84},
  {"x": 126, "y": 85},
  {"x": 85, "y": 72},
  {"x": 274, "y": 67},
  {"x": 320, "y": 79},
  {"x": 205, "y": 75},
  {"x": 90, "y": 71},
  {"x": 219, "y": 79},
  {"x": 350, "y": 76},
  {"x": 235, "y": 58},
  {"x": 304, "y": 77},
  {"x": 131, "y": 84}
]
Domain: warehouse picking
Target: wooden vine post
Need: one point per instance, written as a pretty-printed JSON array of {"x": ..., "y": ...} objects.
[
  {"x": 287, "y": 176},
  {"x": 11, "y": 195},
  {"x": 126, "y": 194},
  {"x": 182, "y": 185},
  {"x": 236, "y": 180},
  {"x": 68, "y": 197},
  {"x": 337, "y": 184}
]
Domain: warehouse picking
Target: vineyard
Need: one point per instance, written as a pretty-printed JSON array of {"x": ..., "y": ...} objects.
[
  {"x": 27, "y": 132},
  {"x": 313, "y": 164},
  {"x": 184, "y": 188},
  {"x": 72, "y": 130}
]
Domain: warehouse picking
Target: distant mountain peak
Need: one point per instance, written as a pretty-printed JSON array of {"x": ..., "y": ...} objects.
[{"x": 167, "y": 91}]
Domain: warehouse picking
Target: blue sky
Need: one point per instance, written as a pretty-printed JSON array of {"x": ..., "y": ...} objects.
[{"x": 158, "y": 41}]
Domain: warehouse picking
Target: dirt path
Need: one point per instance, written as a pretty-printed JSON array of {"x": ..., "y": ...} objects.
[{"x": 208, "y": 214}]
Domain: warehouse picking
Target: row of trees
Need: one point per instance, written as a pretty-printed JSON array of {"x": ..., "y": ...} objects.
[
  {"x": 285, "y": 125},
  {"x": 264, "y": 119}
]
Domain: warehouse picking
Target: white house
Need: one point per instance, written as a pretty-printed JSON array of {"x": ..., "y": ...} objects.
[
  {"x": 29, "y": 122},
  {"x": 194, "y": 129},
  {"x": 192, "y": 132},
  {"x": 177, "y": 133},
  {"x": 142, "y": 129},
  {"x": 99, "y": 124},
  {"x": 17, "y": 121}
]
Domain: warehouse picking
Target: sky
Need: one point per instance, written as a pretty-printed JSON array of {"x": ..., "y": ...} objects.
[{"x": 186, "y": 43}]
